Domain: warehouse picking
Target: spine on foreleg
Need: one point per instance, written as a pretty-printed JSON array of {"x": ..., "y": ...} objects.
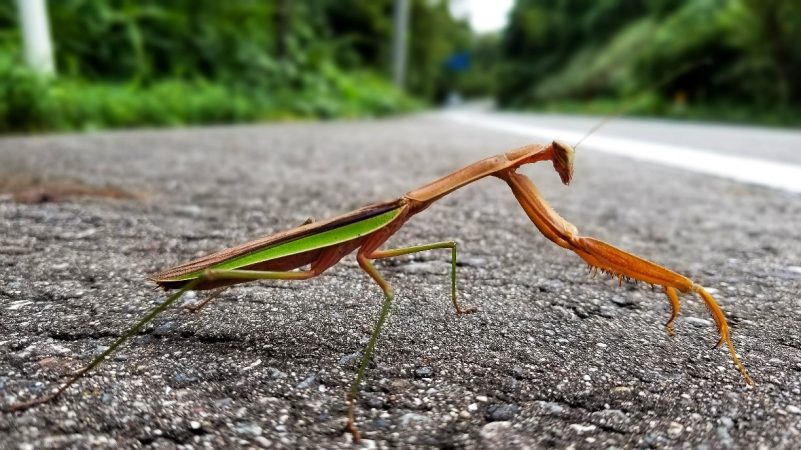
[{"x": 621, "y": 262}]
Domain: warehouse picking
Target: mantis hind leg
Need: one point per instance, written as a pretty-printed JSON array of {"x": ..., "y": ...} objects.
[
  {"x": 382, "y": 254},
  {"x": 208, "y": 275}
]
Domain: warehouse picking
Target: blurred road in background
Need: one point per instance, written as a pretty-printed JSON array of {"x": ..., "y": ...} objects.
[
  {"x": 762, "y": 156},
  {"x": 552, "y": 358}
]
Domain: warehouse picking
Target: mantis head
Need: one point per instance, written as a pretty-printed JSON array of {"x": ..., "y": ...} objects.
[
  {"x": 560, "y": 154},
  {"x": 563, "y": 160}
]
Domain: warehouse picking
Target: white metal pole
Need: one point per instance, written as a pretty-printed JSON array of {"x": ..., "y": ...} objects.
[
  {"x": 401, "y": 26},
  {"x": 36, "y": 35}
]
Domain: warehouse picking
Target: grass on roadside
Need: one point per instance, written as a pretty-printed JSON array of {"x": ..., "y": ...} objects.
[{"x": 32, "y": 103}]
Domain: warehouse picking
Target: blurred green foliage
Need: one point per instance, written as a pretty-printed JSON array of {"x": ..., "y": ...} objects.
[
  {"x": 365, "y": 30},
  {"x": 133, "y": 62},
  {"x": 724, "y": 59},
  {"x": 137, "y": 62}
]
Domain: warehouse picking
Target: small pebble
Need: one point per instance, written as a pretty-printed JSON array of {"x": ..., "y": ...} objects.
[
  {"x": 348, "y": 360},
  {"x": 184, "y": 378},
  {"x": 724, "y": 436},
  {"x": 675, "y": 429},
  {"x": 374, "y": 402},
  {"x": 164, "y": 328},
  {"x": 503, "y": 412},
  {"x": 305, "y": 384},
  {"x": 263, "y": 441},
  {"x": 552, "y": 407},
  {"x": 494, "y": 432},
  {"x": 249, "y": 428},
  {"x": 471, "y": 262},
  {"x": 222, "y": 402},
  {"x": 276, "y": 374},
  {"x": 408, "y": 418},
  {"x": 623, "y": 301},
  {"x": 251, "y": 366},
  {"x": 579, "y": 428},
  {"x": 698, "y": 322},
  {"x": 60, "y": 349},
  {"x": 611, "y": 417}
]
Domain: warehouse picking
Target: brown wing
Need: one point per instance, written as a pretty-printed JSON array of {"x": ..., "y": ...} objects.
[{"x": 362, "y": 213}]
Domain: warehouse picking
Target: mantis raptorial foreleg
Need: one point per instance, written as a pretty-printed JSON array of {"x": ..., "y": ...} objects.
[
  {"x": 618, "y": 262},
  {"x": 381, "y": 254}
]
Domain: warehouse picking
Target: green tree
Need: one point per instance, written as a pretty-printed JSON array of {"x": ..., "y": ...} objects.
[{"x": 575, "y": 51}]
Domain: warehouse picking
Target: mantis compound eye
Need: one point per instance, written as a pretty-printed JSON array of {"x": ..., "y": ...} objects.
[{"x": 563, "y": 160}]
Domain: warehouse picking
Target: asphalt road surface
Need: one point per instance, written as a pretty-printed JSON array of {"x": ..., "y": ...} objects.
[{"x": 553, "y": 357}]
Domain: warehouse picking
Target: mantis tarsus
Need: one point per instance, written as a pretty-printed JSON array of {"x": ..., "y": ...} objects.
[{"x": 308, "y": 250}]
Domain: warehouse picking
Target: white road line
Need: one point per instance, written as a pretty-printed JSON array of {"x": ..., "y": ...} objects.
[{"x": 782, "y": 176}]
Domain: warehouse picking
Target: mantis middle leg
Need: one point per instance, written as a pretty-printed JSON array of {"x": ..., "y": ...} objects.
[
  {"x": 364, "y": 257},
  {"x": 389, "y": 295},
  {"x": 381, "y": 254}
]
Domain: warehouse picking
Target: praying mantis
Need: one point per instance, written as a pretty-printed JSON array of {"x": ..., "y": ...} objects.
[{"x": 310, "y": 249}]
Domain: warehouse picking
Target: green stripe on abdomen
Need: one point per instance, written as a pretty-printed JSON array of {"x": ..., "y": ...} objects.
[{"x": 317, "y": 241}]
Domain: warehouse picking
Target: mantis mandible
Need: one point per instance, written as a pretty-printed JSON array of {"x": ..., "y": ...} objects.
[{"x": 308, "y": 250}]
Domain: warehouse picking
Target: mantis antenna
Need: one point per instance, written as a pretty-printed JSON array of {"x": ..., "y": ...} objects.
[{"x": 627, "y": 104}]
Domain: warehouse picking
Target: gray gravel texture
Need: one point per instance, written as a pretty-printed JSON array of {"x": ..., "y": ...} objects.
[{"x": 552, "y": 358}]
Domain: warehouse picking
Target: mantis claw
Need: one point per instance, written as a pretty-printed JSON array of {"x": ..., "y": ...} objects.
[
  {"x": 675, "y": 305},
  {"x": 350, "y": 427},
  {"x": 196, "y": 307},
  {"x": 669, "y": 327},
  {"x": 467, "y": 310}
]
